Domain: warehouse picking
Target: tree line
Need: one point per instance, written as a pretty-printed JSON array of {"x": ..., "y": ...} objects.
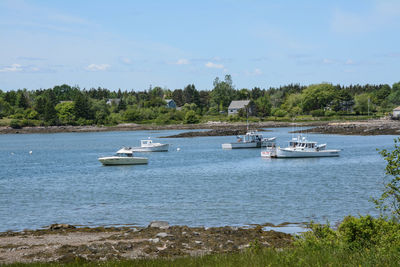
[{"x": 70, "y": 105}]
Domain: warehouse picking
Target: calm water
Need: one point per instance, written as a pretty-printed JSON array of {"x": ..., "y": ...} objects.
[{"x": 201, "y": 184}]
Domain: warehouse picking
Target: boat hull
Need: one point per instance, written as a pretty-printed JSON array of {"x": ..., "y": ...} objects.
[
  {"x": 159, "y": 148},
  {"x": 289, "y": 153},
  {"x": 242, "y": 145},
  {"x": 110, "y": 161},
  {"x": 268, "y": 153}
]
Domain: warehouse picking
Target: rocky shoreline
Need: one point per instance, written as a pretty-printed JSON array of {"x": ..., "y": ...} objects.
[
  {"x": 371, "y": 127},
  {"x": 368, "y": 127},
  {"x": 212, "y": 125},
  {"x": 67, "y": 243}
]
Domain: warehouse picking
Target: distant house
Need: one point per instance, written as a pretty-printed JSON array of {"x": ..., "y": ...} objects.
[
  {"x": 396, "y": 113},
  {"x": 66, "y": 101},
  {"x": 170, "y": 103},
  {"x": 113, "y": 101},
  {"x": 237, "y": 105}
]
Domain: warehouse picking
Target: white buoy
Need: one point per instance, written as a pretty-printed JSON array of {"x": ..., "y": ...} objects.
[
  {"x": 178, "y": 149},
  {"x": 12, "y": 153},
  {"x": 30, "y": 152}
]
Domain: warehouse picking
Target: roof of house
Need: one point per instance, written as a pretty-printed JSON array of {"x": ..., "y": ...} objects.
[
  {"x": 397, "y": 109},
  {"x": 238, "y": 104},
  {"x": 168, "y": 100}
]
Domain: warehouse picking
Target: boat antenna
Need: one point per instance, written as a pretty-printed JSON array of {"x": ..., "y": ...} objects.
[{"x": 247, "y": 119}]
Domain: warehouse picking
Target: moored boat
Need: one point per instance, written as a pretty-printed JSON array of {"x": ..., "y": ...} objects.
[
  {"x": 250, "y": 140},
  {"x": 124, "y": 156},
  {"x": 300, "y": 147},
  {"x": 149, "y": 146}
]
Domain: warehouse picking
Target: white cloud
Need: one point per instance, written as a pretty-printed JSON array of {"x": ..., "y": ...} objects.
[
  {"x": 98, "y": 67},
  {"x": 182, "y": 61},
  {"x": 12, "y": 68},
  {"x": 214, "y": 65},
  {"x": 349, "y": 62}
]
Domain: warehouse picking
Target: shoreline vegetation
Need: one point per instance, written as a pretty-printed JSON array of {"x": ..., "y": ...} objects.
[{"x": 74, "y": 109}]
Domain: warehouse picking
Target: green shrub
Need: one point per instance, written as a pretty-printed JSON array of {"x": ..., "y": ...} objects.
[
  {"x": 330, "y": 113},
  {"x": 279, "y": 113},
  {"x": 15, "y": 124},
  {"x": 233, "y": 118},
  {"x": 317, "y": 113},
  {"x": 191, "y": 117},
  {"x": 26, "y": 122}
]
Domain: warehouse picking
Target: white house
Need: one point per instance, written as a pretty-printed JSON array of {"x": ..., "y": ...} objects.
[
  {"x": 396, "y": 113},
  {"x": 112, "y": 101},
  {"x": 236, "y": 105}
]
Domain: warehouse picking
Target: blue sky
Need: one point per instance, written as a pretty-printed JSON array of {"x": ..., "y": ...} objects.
[{"x": 135, "y": 44}]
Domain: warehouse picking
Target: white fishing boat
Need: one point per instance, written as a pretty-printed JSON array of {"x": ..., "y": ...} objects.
[
  {"x": 300, "y": 147},
  {"x": 149, "y": 146},
  {"x": 250, "y": 140},
  {"x": 124, "y": 156}
]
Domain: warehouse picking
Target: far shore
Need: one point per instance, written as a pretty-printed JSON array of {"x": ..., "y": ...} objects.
[
  {"x": 363, "y": 127},
  {"x": 153, "y": 127}
]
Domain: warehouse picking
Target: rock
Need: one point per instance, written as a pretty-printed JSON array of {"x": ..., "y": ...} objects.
[
  {"x": 61, "y": 226},
  {"x": 154, "y": 240},
  {"x": 159, "y": 224},
  {"x": 162, "y": 235}
]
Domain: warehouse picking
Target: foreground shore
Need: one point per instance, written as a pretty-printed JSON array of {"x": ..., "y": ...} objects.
[{"x": 66, "y": 243}]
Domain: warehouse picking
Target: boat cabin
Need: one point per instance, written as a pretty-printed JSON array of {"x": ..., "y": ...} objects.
[
  {"x": 250, "y": 137},
  {"x": 303, "y": 144},
  {"x": 146, "y": 143},
  {"x": 126, "y": 152}
]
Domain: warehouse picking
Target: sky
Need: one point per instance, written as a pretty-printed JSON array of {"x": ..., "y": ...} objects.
[{"x": 132, "y": 45}]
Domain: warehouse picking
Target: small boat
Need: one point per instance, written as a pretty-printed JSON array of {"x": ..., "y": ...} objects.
[
  {"x": 249, "y": 140},
  {"x": 270, "y": 149},
  {"x": 124, "y": 156},
  {"x": 149, "y": 146},
  {"x": 300, "y": 147}
]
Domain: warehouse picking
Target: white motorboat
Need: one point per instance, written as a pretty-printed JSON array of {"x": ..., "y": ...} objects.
[
  {"x": 149, "y": 146},
  {"x": 249, "y": 140},
  {"x": 124, "y": 156},
  {"x": 300, "y": 147}
]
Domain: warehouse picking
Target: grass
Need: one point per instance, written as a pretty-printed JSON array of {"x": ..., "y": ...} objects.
[
  {"x": 259, "y": 257},
  {"x": 5, "y": 121}
]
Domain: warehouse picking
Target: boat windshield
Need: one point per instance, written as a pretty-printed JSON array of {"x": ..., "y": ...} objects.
[{"x": 125, "y": 154}]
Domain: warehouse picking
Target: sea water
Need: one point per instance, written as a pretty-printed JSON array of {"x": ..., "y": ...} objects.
[{"x": 196, "y": 183}]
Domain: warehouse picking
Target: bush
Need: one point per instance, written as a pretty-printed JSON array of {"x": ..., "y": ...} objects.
[
  {"x": 233, "y": 118},
  {"x": 330, "y": 113},
  {"x": 317, "y": 113},
  {"x": 26, "y": 122},
  {"x": 15, "y": 124},
  {"x": 364, "y": 232},
  {"x": 191, "y": 117},
  {"x": 279, "y": 113}
]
